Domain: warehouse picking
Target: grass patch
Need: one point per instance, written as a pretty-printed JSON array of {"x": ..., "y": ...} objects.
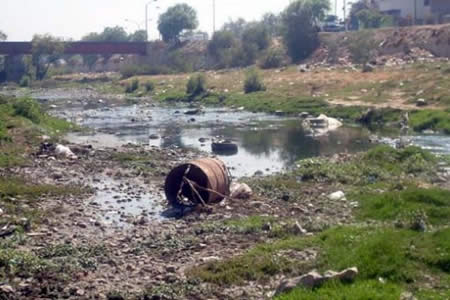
[
  {"x": 360, "y": 290},
  {"x": 252, "y": 224},
  {"x": 431, "y": 204},
  {"x": 381, "y": 163},
  {"x": 437, "y": 120},
  {"x": 397, "y": 255}
]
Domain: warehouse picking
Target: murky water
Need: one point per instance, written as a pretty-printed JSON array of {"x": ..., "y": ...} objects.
[{"x": 266, "y": 143}]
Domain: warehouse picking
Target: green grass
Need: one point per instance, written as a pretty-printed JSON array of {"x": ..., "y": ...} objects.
[
  {"x": 360, "y": 290},
  {"x": 396, "y": 255},
  {"x": 431, "y": 204},
  {"x": 247, "y": 225},
  {"x": 382, "y": 163},
  {"x": 16, "y": 263},
  {"x": 437, "y": 120}
]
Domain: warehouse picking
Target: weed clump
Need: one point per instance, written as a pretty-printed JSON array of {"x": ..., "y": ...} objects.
[
  {"x": 408, "y": 208},
  {"x": 274, "y": 58},
  {"x": 25, "y": 81},
  {"x": 253, "y": 82},
  {"x": 149, "y": 86},
  {"x": 132, "y": 87},
  {"x": 383, "y": 163},
  {"x": 196, "y": 85},
  {"x": 28, "y": 108}
]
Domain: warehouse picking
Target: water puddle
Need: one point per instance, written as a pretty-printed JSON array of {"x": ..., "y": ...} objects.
[
  {"x": 266, "y": 144},
  {"x": 122, "y": 203}
]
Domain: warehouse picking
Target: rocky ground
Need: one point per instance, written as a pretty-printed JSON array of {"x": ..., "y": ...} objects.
[{"x": 59, "y": 241}]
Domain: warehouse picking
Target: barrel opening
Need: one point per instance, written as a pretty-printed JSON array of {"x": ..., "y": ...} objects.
[{"x": 175, "y": 181}]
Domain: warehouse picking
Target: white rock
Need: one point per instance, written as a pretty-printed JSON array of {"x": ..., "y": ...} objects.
[
  {"x": 240, "y": 191},
  {"x": 1, "y": 211},
  {"x": 339, "y": 195},
  {"x": 209, "y": 259}
]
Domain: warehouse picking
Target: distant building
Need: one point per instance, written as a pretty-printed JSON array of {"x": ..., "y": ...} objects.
[{"x": 423, "y": 11}]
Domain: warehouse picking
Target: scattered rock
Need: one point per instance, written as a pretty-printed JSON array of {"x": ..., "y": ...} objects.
[
  {"x": 368, "y": 68},
  {"x": 421, "y": 102},
  {"x": 336, "y": 196},
  {"x": 267, "y": 227},
  {"x": 313, "y": 279},
  {"x": 297, "y": 229}
]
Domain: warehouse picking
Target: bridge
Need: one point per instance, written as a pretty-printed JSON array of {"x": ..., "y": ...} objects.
[{"x": 24, "y": 48}]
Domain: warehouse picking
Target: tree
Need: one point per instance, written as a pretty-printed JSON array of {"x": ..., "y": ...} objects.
[
  {"x": 272, "y": 23},
  {"x": 46, "y": 49},
  {"x": 114, "y": 34},
  {"x": 138, "y": 36},
  {"x": 3, "y": 36},
  {"x": 257, "y": 34},
  {"x": 235, "y": 27},
  {"x": 176, "y": 19},
  {"x": 300, "y": 33}
]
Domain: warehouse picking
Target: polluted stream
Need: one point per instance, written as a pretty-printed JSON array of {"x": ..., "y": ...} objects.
[{"x": 267, "y": 144}]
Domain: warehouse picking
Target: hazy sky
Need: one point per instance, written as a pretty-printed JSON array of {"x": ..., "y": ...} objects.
[{"x": 20, "y": 19}]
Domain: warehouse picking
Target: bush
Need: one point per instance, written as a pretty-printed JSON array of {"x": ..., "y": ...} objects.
[
  {"x": 258, "y": 35},
  {"x": 244, "y": 55},
  {"x": 361, "y": 46},
  {"x": 196, "y": 85},
  {"x": 134, "y": 70},
  {"x": 132, "y": 87},
  {"x": 221, "y": 40},
  {"x": 28, "y": 108},
  {"x": 253, "y": 82},
  {"x": 273, "y": 59},
  {"x": 25, "y": 81},
  {"x": 149, "y": 86}
]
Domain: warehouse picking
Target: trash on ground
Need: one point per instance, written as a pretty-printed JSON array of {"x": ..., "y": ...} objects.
[
  {"x": 63, "y": 151},
  {"x": 321, "y": 125},
  {"x": 225, "y": 147},
  {"x": 203, "y": 181},
  {"x": 240, "y": 191}
]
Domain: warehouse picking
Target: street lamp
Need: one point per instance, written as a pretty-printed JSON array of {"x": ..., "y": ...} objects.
[
  {"x": 146, "y": 16},
  {"x": 214, "y": 16}
]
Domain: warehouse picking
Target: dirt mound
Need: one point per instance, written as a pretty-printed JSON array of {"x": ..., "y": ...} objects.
[{"x": 396, "y": 45}]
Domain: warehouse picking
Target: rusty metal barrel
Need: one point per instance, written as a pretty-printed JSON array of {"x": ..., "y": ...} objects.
[{"x": 204, "y": 180}]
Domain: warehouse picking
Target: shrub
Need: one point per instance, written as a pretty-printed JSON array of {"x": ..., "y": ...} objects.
[
  {"x": 258, "y": 35},
  {"x": 130, "y": 71},
  {"x": 196, "y": 85},
  {"x": 221, "y": 40},
  {"x": 361, "y": 46},
  {"x": 132, "y": 87},
  {"x": 27, "y": 108},
  {"x": 133, "y": 70},
  {"x": 244, "y": 55},
  {"x": 149, "y": 86},
  {"x": 253, "y": 82},
  {"x": 273, "y": 59},
  {"x": 25, "y": 81}
]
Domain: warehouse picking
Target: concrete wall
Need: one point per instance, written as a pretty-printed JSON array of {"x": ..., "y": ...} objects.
[
  {"x": 440, "y": 7},
  {"x": 407, "y": 7}
]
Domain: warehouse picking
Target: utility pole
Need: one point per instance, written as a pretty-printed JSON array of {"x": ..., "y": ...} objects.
[
  {"x": 146, "y": 17},
  {"x": 214, "y": 15}
]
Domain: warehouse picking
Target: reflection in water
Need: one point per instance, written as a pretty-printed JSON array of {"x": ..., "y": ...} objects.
[{"x": 266, "y": 143}]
